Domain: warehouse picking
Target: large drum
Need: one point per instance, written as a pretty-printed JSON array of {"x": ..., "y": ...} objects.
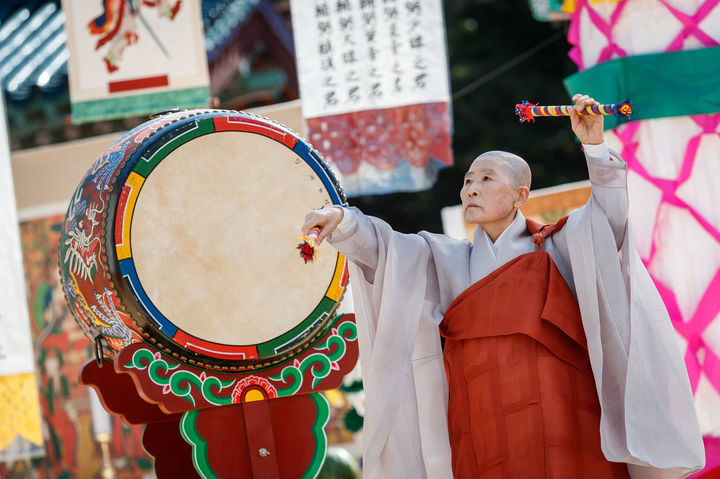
[{"x": 183, "y": 235}]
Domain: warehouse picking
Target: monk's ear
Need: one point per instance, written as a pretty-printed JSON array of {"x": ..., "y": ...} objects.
[{"x": 522, "y": 195}]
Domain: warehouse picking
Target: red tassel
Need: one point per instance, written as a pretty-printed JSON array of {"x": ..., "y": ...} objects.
[{"x": 524, "y": 111}]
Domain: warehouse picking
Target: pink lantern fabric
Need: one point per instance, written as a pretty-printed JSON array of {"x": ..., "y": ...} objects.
[{"x": 601, "y": 31}]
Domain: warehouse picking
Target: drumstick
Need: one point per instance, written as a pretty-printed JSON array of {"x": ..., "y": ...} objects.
[
  {"x": 306, "y": 247},
  {"x": 528, "y": 111}
]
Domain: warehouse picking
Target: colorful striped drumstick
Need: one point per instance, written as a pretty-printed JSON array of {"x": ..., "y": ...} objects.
[
  {"x": 528, "y": 111},
  {"x": 306, "y": 246}
]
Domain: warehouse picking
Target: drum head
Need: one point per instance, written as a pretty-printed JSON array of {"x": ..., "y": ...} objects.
[{"x": 205, "y": 232}]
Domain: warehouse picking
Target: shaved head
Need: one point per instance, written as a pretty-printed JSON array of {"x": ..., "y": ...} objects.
[{"x": 516, "y": 169}]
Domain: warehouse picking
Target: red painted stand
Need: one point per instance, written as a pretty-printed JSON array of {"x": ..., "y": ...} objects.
[{"x": 207, "y": 424}]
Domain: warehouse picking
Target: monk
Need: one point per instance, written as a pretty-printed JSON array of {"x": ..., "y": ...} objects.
[{"x": 559, "y": 361}]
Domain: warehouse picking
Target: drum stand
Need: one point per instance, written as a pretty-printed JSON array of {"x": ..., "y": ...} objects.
[{"x": 261, "y": 424}]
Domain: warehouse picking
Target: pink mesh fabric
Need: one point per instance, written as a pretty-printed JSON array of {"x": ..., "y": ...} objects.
[
  {"x": 691, "y": 25},
  {"x": 609, "y": 30},
  {"x": 699, "y": 357}
]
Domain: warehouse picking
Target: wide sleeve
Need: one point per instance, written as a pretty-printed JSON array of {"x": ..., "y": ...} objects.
[
  {"x": 608, "y": 176},
  {"x": 356, "y": 238},
  {"x": 609, "y": 198}
]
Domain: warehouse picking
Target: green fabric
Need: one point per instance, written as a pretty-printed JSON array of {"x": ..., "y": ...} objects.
[
  {"x": 659, "y": 85},
  {"x": 139, "y": 105}
]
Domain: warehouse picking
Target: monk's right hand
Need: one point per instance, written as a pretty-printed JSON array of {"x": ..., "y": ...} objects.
[{"x": 326, "y": 218}]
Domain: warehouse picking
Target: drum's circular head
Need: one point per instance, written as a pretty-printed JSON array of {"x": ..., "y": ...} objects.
[
  {"x": 213, "y": 236},
  {"x": 206, "y": 229}
]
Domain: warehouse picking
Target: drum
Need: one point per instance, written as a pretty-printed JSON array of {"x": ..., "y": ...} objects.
[{"x": 183, "y": 235}]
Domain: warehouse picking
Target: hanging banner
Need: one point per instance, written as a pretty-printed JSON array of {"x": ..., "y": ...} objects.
[
  {"x": 20, "y": 425},
  {"x": 374, "y": 87},
  {"x": 15, "y": 347},
  {"x": 134, "y": 57}
]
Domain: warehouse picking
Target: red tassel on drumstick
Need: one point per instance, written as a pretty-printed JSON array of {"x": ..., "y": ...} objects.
[{"x": 306, "y": 246}]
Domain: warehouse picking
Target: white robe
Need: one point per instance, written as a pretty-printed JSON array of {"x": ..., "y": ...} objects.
[{"x": 402, "y": 285}]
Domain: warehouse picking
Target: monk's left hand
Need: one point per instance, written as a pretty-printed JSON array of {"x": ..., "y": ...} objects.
[{"x": 588, "y": 128}]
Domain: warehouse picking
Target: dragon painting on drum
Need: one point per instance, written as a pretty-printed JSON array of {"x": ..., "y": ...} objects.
[{"x": 98, "y": 310}]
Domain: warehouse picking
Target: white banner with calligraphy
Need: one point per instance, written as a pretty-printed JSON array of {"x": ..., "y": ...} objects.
[
  {"x": 16, "y": 355},
  {"x": 134, "y": 57},
  {"x": 375, "y": 92}
]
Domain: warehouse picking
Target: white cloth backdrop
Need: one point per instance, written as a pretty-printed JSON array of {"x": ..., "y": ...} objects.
[{"x": 16, "y": 355}]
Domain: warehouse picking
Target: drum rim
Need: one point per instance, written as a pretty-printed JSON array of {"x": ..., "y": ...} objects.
[{"x": 131, "y": 304}]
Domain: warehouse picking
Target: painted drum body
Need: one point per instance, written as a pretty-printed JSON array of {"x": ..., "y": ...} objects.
[{"x": 183, "y": 235}]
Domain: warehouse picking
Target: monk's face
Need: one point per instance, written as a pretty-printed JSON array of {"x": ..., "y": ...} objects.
[{"x": 488, "y": 196}]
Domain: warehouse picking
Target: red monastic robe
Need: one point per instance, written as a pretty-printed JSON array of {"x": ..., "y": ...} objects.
[{"x": 523, "y": 402}]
